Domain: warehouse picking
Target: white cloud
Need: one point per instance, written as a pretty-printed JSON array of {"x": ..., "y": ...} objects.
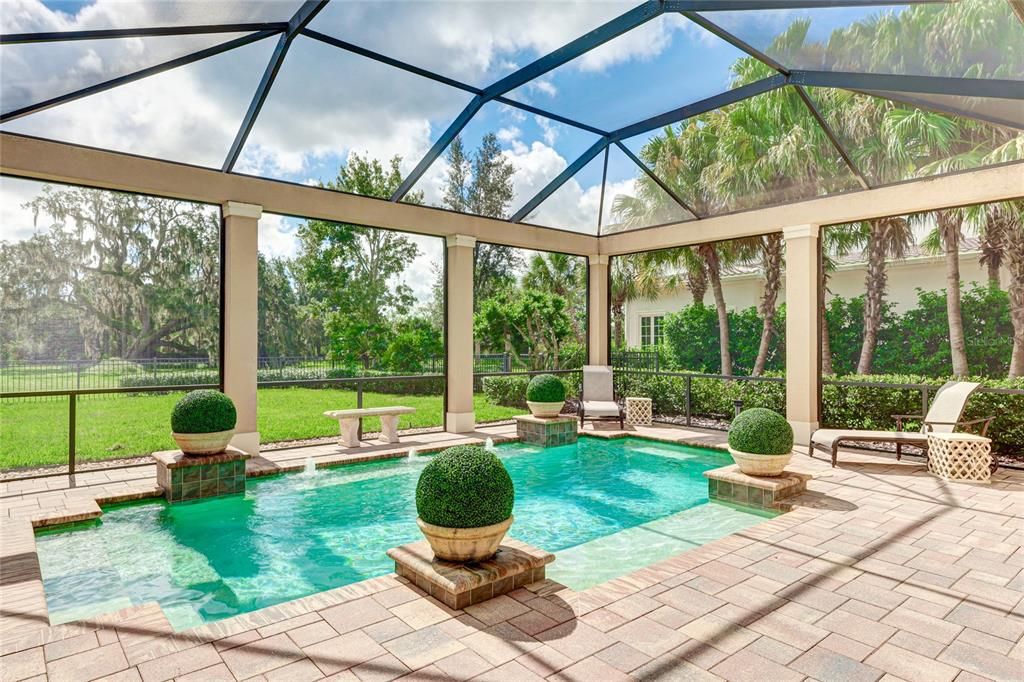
[
  {"x": 16, "y": 222},
  {"x": 509, "y": 134},
  {"x": 277, "y": 236}
]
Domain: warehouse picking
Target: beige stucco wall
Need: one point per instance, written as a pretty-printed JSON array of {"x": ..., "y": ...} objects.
[{"x": 744, "y": 291}]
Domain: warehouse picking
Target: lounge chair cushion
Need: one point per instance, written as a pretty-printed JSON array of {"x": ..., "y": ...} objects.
[
  {"x": 829, "y": 437},
  {"x": 598, "y": 383},
  {"x": 600, "y": 408}
]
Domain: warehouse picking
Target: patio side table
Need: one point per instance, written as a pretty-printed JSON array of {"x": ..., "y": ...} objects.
[
  {"x": 960, "y": 456},
  {"x": 639, "y": 411}
]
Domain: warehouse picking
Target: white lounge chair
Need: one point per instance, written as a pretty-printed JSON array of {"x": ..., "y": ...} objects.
[
  {"x": 944, "y": 416},
  {"x": 598, "y": 400}
]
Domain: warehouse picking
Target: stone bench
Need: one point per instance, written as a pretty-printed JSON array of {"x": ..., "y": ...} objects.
[{"x": 348, "y": 423}]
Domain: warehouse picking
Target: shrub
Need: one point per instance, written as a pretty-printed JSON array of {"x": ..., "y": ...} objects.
[
  {"x": 509, "y": 391},
  {"x": 761, "y": 432},
  {"x": 465, "y": 487},
  {"x": 203, "y": 411},
  {"x": 545, "y": 388}
]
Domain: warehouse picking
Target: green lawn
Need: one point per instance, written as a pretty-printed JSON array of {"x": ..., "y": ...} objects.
[{"x": 35, "y": 433}]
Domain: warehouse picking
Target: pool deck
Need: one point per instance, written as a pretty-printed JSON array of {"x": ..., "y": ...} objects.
[{"x": 881, "y": 571}]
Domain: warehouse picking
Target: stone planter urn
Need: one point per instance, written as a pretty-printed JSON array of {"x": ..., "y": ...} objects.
[
  {"x": 203, "y": 422},
  {"x": 761, "y": 442},
  {"x": 545, "y": 395},
  {"x": 464, "y": 503},
  {"x": 212, "y": 443},
  {"x": 760, "y": 465},
  {"x": 464, "y": 545},
  {"x": 552, "y": 409}
]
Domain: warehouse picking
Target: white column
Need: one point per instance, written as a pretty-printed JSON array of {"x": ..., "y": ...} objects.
[
  {"x": 597, "y": 310},
  {"x": 241, "y": 321},
  {"x": 803, "y": 330},
  {"x": 459, "y": 417}
]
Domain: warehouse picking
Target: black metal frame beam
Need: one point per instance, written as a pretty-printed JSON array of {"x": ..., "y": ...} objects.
[
  {"x": 132, "y": 77},
  {"x": 934, "y": 85},
  {"x": 832, "y": 137},
  {"x": 297, "y": 23},
  {"x": 600, "y": 35},
  {"x": 943, "y": 108},
  {"x": 560, "y": 179},
  {"x": 664, "y": 186},
  {"x": 734, "y": 40},
  {"x": 145, "y": 32},
  {"x": 730, "y": 5},
  {"x": 445, "y": 80},
  {"x": 695, "y": 109}
]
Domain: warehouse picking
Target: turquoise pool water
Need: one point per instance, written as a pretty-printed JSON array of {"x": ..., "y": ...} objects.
[{"x": 605, "y": 507}]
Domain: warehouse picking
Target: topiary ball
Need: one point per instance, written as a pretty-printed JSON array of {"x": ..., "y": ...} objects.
[
  {"x": 760, "y": 431},
  {"x": 205, "y": 411},
  {"x": 545, "y": 388},
  {"x": 464, "y": 487}
]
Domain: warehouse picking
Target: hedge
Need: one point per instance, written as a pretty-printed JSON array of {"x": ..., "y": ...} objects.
[
  {"x": 510, "y": 389},
  {"x": 413, "y": 386},
  {"x": 859, "y": 407}
]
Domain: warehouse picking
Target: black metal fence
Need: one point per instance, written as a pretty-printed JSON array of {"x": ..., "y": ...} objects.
[{"x": 46, "y": 376}]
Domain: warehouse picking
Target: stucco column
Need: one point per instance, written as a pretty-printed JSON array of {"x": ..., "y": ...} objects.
[
  {"x": 459, "y": 417},
  {"x": 597, "y": 310},
  {"x": 241, "y": 322},
  {"x": 803, "y": 331}
]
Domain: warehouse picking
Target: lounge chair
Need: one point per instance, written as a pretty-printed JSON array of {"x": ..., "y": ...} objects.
[
  {"x": 944, "y": 416},
  {"x": 598, "y": 400}
]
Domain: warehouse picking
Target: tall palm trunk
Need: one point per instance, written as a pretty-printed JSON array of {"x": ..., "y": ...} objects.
[
  {"x": 1015, "y": 263},
  {"x": 994, "y": 242},
  {"x": 697, "y": 281},
  {"x": 618, "y": 326},
  {"x": 771, "y": 246},
  {"x": 826, "y": 366},
  {"x": 949, "y": 223},
  {"x": 714, "y": 270},
  {"x": 874, "y": 287}
]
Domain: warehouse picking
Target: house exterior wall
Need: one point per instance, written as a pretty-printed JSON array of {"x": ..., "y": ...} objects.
[{"x": 744, "y": 291}]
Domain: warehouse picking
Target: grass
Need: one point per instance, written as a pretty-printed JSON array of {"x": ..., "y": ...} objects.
[{"x": 36, "y": 433}]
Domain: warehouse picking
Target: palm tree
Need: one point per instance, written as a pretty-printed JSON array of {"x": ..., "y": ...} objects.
[
  {"x": 633, "y": 277},
  {"x": 562, "y": 275},
  {"x": 836, "y": 242},
  {"x": 884, "y": 239}
]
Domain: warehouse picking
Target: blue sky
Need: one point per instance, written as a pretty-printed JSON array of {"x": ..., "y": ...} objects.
[{"x": 327, "y": 103}]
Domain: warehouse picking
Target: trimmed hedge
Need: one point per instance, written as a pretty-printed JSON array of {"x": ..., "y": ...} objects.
[
  {"x": 465, "y": 486},
  {"x": 510, "y": 390},
  {"x": 545, "y": 388},
  {"x": 203, "y": 411},
  {"x": 758, "y": 431},
  {"x": 856, "y": 407}
]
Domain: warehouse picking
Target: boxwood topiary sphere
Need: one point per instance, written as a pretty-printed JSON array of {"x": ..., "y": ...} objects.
[
  {"x": 545, "y": 388},
  {"x": 464, "y": 487},
  {"x": 205, "y": 411},
  {"x": 760, "y": 431}
]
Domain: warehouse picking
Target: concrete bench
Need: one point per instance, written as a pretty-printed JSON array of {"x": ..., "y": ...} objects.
[{"x": 348, "y": 423}]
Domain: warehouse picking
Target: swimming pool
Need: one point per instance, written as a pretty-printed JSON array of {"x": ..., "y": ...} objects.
[{"x": 605, "y": 507}]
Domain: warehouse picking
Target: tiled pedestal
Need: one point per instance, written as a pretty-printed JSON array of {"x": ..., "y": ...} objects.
[
  {"x": 546, "y": 431},
  {"x": 732, "y": 485},
  {"x": 189, "y": 477},
  {"x": 458, "y": 585}
]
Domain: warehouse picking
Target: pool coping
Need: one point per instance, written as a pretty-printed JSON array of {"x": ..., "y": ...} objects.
[{"x": 19, "y": 557}]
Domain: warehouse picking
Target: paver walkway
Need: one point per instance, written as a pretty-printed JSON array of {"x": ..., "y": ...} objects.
[{"x": 880, "y": 572}]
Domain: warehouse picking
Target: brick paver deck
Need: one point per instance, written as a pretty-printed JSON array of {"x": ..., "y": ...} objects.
[{"x": 881, "y": 571}]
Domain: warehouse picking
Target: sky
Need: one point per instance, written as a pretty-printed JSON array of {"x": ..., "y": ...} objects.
[{"x": 327, "y": 104}]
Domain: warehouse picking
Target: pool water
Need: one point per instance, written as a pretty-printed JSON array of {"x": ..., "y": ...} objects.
[{"x": 606, "y": 507}]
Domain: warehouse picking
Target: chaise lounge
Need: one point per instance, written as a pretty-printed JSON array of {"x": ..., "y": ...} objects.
[{"x": 944, "y": 416}]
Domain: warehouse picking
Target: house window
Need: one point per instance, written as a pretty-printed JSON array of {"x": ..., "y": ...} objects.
[{"x": 650, "y": 330}]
